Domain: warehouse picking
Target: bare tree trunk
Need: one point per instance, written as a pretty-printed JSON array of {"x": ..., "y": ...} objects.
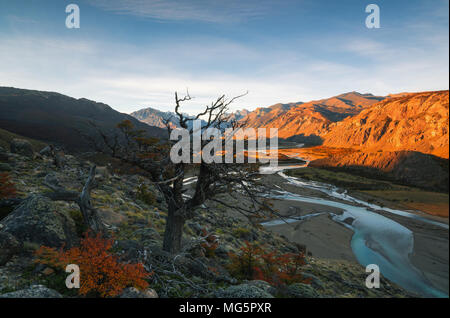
[
  {"x": 90, "y": 214},
  {"x": 173, "y": 232}
]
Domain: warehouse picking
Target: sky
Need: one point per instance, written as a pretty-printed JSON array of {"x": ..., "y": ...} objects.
[{"x": 132, "y": 54}]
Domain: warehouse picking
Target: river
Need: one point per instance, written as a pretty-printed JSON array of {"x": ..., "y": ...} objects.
[{"x": 377, "y": 239}]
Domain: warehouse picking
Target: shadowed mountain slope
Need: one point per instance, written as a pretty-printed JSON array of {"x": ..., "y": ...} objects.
[{"x": 59, "y": 119}]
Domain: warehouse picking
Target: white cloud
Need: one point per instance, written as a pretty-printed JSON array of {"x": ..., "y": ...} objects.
[
  {"x": 215, "y": 11},
  {"x": 128, "y": 77}
]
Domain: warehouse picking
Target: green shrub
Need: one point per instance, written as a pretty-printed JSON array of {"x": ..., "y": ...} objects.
[
  {"x": 77, "y": 217},
  {"x": 145, "y": 195}
]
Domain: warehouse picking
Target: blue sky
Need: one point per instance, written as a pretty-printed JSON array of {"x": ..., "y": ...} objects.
[{"x": 132, "y": 54}]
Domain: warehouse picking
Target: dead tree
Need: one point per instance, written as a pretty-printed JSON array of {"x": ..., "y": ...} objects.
[
  {"x": 90, "y": 215},
  {"x": 212, "y": 178}
]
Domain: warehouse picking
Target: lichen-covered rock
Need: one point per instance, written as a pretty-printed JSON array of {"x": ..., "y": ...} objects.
[
  {"x": 9, "y": 246},
  {"x": 243, "y": 291},
  {"x": 46, "y": 151},
  {"x": 132, "y": 292},
  {"x": 21, "y": 147},
  {"x": 262, "y": 285},
  {"x": 34, "y": 291},
  {"x": 37, "y": 220},
  {"x": 129, "y": 250},
  {"x": 299, "y": 290}
]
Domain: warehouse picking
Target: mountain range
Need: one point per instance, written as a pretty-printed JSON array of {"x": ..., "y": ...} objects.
[
  {"x": 60, "y": 119},
  {"x": 399, "y": 134},
  {"x": 157, "y": 118},
  {"x": 308, "y": 122},
  {"x": 404, "y": 121}
]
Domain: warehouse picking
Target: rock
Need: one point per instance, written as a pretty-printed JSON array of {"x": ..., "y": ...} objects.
[
  {"x": 5, "y": 167},
  {"x": 243, "y": 291},
  {"x": 34, "y": 291},
  {"x": 262, "y": 285},
  {"x": 48, "y": 271},
  {"x": 299, "y": 290},
  {"x": 130, "y": 250},
  {"x": 193, "y": 267},
  {"x": 46, "y": 151},
  {"x": 223, "y": 251},
  {"x": 315, "y": 282},
  {"x": 9, "y": 246},
  {"x": 37, "y": 220},
  {"x": 22, "y": 147},
  {"x": 132, "y": 292}
]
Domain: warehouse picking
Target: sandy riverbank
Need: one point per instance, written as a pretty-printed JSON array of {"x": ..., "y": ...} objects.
[{"x": 327, "y": 239}]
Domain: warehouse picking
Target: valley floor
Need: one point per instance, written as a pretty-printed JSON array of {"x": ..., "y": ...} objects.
[{"x": 327, "y": 239}]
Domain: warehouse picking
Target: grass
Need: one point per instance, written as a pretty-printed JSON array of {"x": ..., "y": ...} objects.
[
  {"x": 430, "y": 202},
  {"x": 6, "y": 137},
  {"x": 400, "y": 196},
  {"x": 341, "y": 179}
]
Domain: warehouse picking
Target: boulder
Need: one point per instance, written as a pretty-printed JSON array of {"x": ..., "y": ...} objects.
[
  {"x": 243, "y": 291},
  {"x": 37, "y": 220},
  {"x": 262, "y": 285},
  {"x": 129, "y": 250},
  {"x": 34, "y": 291},
  {"x": 9, "y": 246},
  {"x": 132, "y": 292},
  {"x": 46, "y": 151},
  {"x": 22, "y": 147},
  {"x": 299, "y": 290}
]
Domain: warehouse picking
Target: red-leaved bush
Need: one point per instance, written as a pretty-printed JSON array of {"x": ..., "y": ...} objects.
[
  {"x": 253, "y": 262},
  {"x": 7, "y": 188},
  {"x": 101, "y": 273}
]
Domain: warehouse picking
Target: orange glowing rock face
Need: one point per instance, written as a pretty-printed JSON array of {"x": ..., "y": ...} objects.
[
  {"x": 416, "y": 122},
  {"x": 312, "y": 118}
]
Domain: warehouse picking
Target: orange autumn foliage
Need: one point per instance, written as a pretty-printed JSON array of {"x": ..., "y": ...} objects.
[
  {"x": 100, "y": 271},
  {"x": 7, "y": 188},
  {"x": 253, "y": 262}
]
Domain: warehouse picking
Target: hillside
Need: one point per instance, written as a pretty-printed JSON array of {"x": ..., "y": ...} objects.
[
  {"x": 137, "y": 224},
  {"x": 406, "y": 167},
  {"x": 308, "y": 122},
  {"x": 416, "y": 122},
  {"x": 6, "y": 137},
  {"x": 57, "y": 118}
]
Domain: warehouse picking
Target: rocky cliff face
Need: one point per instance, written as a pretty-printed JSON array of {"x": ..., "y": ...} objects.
[
  {"x": 416, "y": 122},
  {"x": 305, "y": 122}
]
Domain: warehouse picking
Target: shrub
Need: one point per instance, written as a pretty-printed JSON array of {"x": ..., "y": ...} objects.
[
  {"x": 210, "y": 244},
  {"x": 100, "y": 271},
  {"x": 7, "y": 188},
  {"x": 253, "y": 262},
  {"x": 145, "y": 195},
  {"x": 77, "y": 217},
  {"x": 242, "y": 232}
]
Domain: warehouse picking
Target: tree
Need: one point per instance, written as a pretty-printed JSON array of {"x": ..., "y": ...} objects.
[
  {"x": 90, "y": 215},
  {"x": 153, "y": 157}
]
